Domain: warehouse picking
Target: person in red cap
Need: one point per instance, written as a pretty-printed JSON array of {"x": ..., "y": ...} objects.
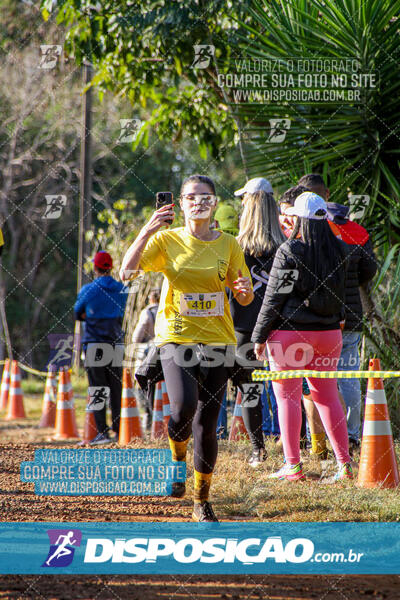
[{"x": 101, "y": 305}]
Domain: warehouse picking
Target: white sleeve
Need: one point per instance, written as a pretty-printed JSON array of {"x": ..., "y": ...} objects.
[{"x": 142, "y": 329}]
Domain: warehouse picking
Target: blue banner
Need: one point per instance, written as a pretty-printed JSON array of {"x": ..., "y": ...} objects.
[
  {"x": 114, "y": 472},
  {"x": 196, "y": 548}
]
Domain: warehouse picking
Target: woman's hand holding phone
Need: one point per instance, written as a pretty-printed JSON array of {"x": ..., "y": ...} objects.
[{"x": 161, "y": 217}]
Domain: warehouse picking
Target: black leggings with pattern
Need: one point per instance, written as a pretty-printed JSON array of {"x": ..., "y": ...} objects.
[{"x": 195, "y": 393}]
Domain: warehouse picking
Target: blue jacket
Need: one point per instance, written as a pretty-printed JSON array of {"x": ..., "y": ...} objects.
[{"x": 104, "y": 302}]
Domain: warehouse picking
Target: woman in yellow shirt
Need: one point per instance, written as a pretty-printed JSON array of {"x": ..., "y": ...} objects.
[{"x": 194, "y": 327}]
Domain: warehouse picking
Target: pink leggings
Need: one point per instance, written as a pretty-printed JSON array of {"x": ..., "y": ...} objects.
[{"x": 308, "y": 350}]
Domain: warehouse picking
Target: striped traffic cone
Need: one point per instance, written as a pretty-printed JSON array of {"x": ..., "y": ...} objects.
[
  {"x": 157, "y": 426},
  {"x": 238, "y": 430},
  {"x": 90, "y": 427},
  {"x": 166, "y": 406},
  {"x": 15, "y": 401},
  {"x": 65, "y": 412},
  {"x": 49, "y": 405},
  {"x": 129, "y": 425},
  {"x": 5, "y": 385},
  {"x": 378, "y": 464}
]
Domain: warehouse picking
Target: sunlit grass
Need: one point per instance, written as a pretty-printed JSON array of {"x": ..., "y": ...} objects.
[{"x": 239, "y": 492}]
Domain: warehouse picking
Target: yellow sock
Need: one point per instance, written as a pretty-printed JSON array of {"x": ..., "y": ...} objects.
[
  {"x": 178, "y": 449},
  {"x": 318, "y": 443},
  {"x": 202, "y": 482}
]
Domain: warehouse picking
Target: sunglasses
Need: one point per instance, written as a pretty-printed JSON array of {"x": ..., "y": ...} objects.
[{"x": 200, "y": 198}]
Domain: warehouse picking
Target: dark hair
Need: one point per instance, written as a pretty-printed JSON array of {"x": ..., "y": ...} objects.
[
  {"x": 312, "y": 182},
  {"x": 323, "y": 253},
  {"x": 199, "y": 179},
  {"x": 291, "y": 194},
  {"x": 155, "y": 294},
  {"x": 103, "y": 271}
]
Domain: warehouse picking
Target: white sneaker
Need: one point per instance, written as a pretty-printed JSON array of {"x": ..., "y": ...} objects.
[{"x": 289, "y": 472}]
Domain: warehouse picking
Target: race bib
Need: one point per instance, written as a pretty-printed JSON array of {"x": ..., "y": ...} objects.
[{"x": 202, "y": 305}]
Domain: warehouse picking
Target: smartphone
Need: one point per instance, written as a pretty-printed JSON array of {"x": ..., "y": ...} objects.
[{"x": 163, "y": 198}]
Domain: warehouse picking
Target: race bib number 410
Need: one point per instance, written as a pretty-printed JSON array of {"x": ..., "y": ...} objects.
[{"x": 202, "y": 305}]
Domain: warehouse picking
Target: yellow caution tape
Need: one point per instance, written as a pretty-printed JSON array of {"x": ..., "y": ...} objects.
[
  {"x": 26, "y": 368},
  {"x": 274, "y": 375},
  {"x": 33, "y": 371}
]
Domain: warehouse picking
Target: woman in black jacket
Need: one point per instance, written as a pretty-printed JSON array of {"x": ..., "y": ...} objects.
[
  {"x": 300, "y": 321},
  {"x": 260, "y": 235}
]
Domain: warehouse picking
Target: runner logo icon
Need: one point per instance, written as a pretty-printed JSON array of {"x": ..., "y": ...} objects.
[
  {"x": 62, "y": 546},
  {"x": 61, "y": 348},
  {"x": 251, "y": 394},
  {"x": 98, "y": 395},
  {"x": 287, "y": 279},
  {"x": 203, "y": 54}
]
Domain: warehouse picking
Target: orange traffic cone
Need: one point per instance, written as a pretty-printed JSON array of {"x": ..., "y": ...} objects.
[
  {"x": 165, "y": 406},
  {"x": 65, "y": 414},
  {"x": 15, "y": 401},
  {"x": 90, "y": 427},
  {"x": 378, "y": 464},
  {"x": 238, "y": 430},
  {"x": 5, "y": 385},
  {"x": 129, "y": 425},
  {"x": 157, "y": 426},
  {"x": 49, "y": 405}
]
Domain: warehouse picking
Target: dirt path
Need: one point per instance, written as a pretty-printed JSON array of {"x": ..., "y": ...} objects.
[
  {"x": 19, "y": 503},
  {"x": 194, "y": 587}
]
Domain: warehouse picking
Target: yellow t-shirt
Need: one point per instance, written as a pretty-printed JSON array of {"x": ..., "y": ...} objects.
[{"x": 197, "y": 273}]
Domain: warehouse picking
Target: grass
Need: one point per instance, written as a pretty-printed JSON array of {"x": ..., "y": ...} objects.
[
  {"x": 35, "y": 385},
  {"x": 250, "y": 494},
  {"x": 241, "y": 493}
]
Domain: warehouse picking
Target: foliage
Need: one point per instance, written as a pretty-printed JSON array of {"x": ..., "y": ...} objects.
[
  {"x": 145, "y": 51},
  {"x": 38, "y": 157},
  {"x": 354, "y": 146},
  {"x": 40, "y": 134}
]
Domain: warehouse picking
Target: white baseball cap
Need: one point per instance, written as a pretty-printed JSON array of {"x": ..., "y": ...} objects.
[
  {"x": 308, "y": 205},
  {"x": 258, "y": 184}
]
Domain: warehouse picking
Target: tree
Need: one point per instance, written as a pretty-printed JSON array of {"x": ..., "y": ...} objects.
[
  {"x": 40, "y": 132},
  {"x": 145, "y": 51},
  {"x": 353, "y": 144}
]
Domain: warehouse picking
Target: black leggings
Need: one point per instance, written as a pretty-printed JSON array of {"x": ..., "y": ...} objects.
[
  {"x": 252, "y": 415},
  {"x": 111, "y": 377},
  {"x": 195, "y": 394}
]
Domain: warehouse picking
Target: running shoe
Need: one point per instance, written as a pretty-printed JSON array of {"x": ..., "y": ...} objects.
[
  {"x": 289, "y": 472},
  {"x": 257, "y": 458},
  {"x": 344, "y": 472},
  {"x": 101, "y": 438},
  {"x": 203, "y": 513},
  {"x": 178, "y": 489}
]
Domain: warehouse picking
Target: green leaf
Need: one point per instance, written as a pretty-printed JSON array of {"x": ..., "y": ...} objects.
[{"x": 386, "y": 265}]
